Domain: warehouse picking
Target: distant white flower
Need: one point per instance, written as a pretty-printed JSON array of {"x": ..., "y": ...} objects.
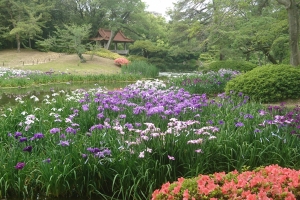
[
  {"x": 199, "y": 151},
  {"x": 18, "y": 99},
  {"x": 142, "y": 154},
  {"x": 149, "y": 150}
]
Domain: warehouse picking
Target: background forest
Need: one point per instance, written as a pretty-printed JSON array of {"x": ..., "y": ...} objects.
[{"x": 195, "y": 33}]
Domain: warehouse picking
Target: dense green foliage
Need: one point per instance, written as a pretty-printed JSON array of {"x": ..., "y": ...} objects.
[
  {"x": 141, "y": 68},
  {"x": 238, "y": 65},
  {"x": 269, "y": 83},
  {"x": 36, "y": 79},
  {"x": 214, "y": 28},
  {"x": 210, "y": 83}
]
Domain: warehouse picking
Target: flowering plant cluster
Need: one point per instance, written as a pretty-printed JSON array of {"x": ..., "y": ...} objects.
[
  {"x": 271, "y": 182},
  {"x": 7, "y": 73},
  {"x": 121, "y": 61},
  {"x": 87, "y": 142},
  {"x": 209, "y": 83}
]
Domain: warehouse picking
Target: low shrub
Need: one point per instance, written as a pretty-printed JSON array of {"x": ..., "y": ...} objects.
[
  {"x": 136, "y": 58},
  {"x": 242, "y": 66},
  {"x": 105, "y": 54},
  {"x": 263, "y": 183},
  {"x": 142, "y": 68},
  {"x": 270, "y": 83}
]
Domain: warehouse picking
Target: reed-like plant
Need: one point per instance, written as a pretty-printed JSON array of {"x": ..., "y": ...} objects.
[
  {"x": 210, "y": 83},
  {"x": 19, "y": 78},
  {"x": 142, "y": 68},
  {"x": 125, "y": 144}
]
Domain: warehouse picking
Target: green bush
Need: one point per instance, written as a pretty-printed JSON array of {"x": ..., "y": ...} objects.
[
  {"x": 269, "y": 83},
  {"x": 136, "y": 57},
  {"x": 105, "y": 53},
  {"x": 141, "y": 68},
  {"x": 242, "y": 66}
]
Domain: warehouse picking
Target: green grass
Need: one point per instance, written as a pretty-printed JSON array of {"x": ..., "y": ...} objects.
[{"x": 59, "y": 62}]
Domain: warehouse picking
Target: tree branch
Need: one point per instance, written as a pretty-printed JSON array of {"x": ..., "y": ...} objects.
[{"x": 286, "y": 3}]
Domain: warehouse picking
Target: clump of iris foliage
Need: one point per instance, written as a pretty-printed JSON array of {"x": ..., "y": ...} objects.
[
  {"x": 125, "y": 144},
  {"x": 142, "y": 68},
  {"x": 21, "y": 78},
  {"x": 210, "y": 83}
]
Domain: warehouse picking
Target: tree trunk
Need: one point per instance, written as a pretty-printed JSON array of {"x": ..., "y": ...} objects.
[
  {"x": 293, "y": 19},
  {"x": 18, "y": 42},
  {"x": 29, "y": 43},
  {"x": 112, "y": 35},
  {"x": 221, "y": 56},
  {"x": 269, "y": 56},
  {"x": 82, "y": 59}
]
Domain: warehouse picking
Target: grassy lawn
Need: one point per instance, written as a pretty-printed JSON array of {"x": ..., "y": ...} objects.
[{"x": 57, "y": 62}]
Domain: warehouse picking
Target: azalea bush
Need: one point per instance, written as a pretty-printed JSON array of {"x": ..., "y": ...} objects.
[
  {"x": 121, "y": 61},
  {"x": 270, "y": 182},
  {"x": 210, "y": 83},
  {"x": 125, "y": 144}
]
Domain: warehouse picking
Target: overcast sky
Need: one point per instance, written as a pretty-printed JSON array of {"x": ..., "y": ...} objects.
[{"x": 159, "y": 6}]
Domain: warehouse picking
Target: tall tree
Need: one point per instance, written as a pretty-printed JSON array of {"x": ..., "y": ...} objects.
[
  {"x": 118, "y": 14},
  {"x": 292, "y": 7},
  {"x": 25, "y": 19},
  {"x": 73, "y": 38}
]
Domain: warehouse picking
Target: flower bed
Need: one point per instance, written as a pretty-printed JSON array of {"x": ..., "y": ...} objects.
[
  {"x": 271, "y": 182},
  {"x": 125, "y": 144}
]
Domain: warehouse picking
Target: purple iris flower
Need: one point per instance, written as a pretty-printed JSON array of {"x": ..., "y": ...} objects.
[
  {"x": 38, "y": 135},
  {"x": 106, "y": 152},
  {"x": 246, "y": 116},
  {"x": 54, "y": 130},
  {"x": 28, "y": 149},
  {"x": 71, "y": 130},
  {"x": 48, "y": 160},
  {"x": 18, "y": 134},
  {"x": 123, "y": 116},
  {"x": 84, "y": 155},
  {"x": 221, "y": 122},
  {"x": 239, "y": 124},
  {"x": 85, "y": 107},
  {"x": 64, "y": 143},
  {"x": 23, "y": 139},
  {"x": 20, "y": 165}
]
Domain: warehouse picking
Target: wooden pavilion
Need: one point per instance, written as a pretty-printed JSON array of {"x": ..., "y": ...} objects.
[{"x": 103, "y": 36}]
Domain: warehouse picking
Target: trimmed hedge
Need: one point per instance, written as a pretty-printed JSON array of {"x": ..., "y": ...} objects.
[
  {"x": 271, "y": 83},
  {"x": 241, "y": 66}
]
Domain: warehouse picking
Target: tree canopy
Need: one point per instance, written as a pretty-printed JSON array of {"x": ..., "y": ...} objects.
[{"x": 259, "y": 31}]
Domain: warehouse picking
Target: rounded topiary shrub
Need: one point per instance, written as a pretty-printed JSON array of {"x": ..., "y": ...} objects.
[
  {"x": 242, "y": 66},
  {"x": 271, "y": 83}
]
